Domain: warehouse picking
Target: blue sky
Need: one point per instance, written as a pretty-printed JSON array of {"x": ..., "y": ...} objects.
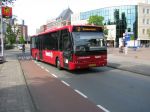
[{"x": 37, "y": 12}]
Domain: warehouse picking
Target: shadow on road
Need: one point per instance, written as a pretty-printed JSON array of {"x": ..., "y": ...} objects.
[{"x": 98, "y": 70}]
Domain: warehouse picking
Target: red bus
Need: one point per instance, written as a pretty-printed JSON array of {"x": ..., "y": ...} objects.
[{"x": 71, "y": 47}]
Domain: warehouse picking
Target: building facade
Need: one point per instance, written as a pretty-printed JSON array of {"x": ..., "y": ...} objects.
[
  {"x": 121, "y": 19},
  {"x": 144, "y": 23},
  {"x": 23, "y": 31},
  {"x": 63, "y": 19}
]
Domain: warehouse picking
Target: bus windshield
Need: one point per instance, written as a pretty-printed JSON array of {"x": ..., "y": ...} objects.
[{"x": 88, "y": 41}]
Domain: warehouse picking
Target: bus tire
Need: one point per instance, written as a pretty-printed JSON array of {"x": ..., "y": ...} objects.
[{"x": 58, "y": 64}]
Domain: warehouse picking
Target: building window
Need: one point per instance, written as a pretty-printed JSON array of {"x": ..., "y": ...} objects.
[
  {"x": 129, "y": 11},
  {"x": 143, "y": 21},
  {"x": 143, "y": 31},
  {"x": 129, "y": 21},
  {"x": 147, "y": 11},
  {"x": 143, "y": 10},
  {"x": 147, "y": 21}
]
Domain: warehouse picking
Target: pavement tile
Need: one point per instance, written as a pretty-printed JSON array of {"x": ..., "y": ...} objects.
[
  {"x": 14, "y": 95},
  {"x": 140, "y": 64}
]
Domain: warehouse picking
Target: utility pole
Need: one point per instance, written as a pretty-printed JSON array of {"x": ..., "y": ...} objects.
[{"x": 1, "y": 36}]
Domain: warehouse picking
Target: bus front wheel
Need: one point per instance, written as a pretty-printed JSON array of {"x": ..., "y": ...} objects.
[{"x": 58, "y": 64}]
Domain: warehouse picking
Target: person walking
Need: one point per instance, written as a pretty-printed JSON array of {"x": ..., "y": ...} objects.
[{"x": 23, "y": 48}]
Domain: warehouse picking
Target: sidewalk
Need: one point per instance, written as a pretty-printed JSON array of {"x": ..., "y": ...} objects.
[
  {"x": 14, "y": 95},
  {"x": 135, "y": 61}
]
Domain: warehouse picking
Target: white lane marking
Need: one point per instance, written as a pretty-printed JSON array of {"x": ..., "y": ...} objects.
[
  {"x": 54, "y": 75},
  {"x": 46, "y": 70},
  {"x": 65, "y": 83},
  {"x": 80, "y": 93},
  {"x": 104, "y": 109}
]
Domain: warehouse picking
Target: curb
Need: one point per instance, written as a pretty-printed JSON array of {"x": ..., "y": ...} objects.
[
  {"x": 126, "y": 69},
  {"x": 35, "y": 107}
]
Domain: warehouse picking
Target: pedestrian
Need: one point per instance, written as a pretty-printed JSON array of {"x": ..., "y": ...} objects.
[
  {"x": 23, "y": 48},
  {"x": 120, "y": 49}
]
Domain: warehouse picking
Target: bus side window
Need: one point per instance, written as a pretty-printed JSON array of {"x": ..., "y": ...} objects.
[
  {"x": 37, "y": 42},
  {"x": 60, "y": 42},
  {"x": 50, "y": 41},
  {"x": 33, "y": 42},
  {"x": 46, "y": 42}
]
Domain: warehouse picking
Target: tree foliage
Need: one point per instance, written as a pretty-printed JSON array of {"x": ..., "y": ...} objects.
[
  {"x": 105, "y": 31},
  {"x": 10, "y": 35},
  {"x": 132, "y": 37},
  {"x": 21, "y": 40},
  {"x": 96, "y": 20},
  {"x": 5, "y": 2},
  {"x": 121, "y": 25}
]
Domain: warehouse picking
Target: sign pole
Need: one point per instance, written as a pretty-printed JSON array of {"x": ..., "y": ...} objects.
[
  {"x": 2, "y": 41},
  {"x": 1, "y": 36},
  {"x": 6, "y": 12}
]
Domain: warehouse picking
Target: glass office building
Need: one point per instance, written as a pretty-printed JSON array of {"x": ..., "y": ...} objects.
[
  {"x": 121, "y": 20},
  {"x": 124, "y": 17}
]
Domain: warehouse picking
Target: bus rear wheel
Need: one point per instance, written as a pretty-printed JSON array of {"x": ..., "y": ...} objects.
[{"x": 58, "y": 64}]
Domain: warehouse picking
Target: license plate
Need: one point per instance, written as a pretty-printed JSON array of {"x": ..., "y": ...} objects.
[{"x": 92, "y": 65}]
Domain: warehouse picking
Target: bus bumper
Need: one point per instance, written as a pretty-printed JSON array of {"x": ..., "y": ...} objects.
[{"x": 73, "y": 66}]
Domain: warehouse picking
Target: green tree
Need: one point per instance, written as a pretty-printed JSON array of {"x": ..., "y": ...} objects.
[
  {"x": 121, "y": 25},
  {"x": 105, "y": 31},
  {"x": 132, "y": 37},
  {"x": 96, "y": 20},
  {"x": 10, "y": 35},
  {"x": 5, "y": 2},
  {"x": 21, "y": 40}
]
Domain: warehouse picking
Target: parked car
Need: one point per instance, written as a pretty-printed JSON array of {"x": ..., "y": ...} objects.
[{"x": 20, "y": 46}]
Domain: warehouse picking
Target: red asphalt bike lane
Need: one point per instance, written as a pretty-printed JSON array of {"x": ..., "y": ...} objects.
[{"x": 49, "y": 94}]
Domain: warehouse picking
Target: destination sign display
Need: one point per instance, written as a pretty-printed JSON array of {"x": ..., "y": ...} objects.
[{"x": 87, "y": 29}]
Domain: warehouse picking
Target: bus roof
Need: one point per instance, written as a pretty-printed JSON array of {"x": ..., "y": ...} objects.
[{"x": 63, "y": 27}]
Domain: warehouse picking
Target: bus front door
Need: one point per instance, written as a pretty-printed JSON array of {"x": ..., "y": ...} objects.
[{"x": 66, "y": 50}]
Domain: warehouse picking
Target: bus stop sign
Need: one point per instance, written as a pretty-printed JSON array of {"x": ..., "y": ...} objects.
[{"x": 6, "y": 12}]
